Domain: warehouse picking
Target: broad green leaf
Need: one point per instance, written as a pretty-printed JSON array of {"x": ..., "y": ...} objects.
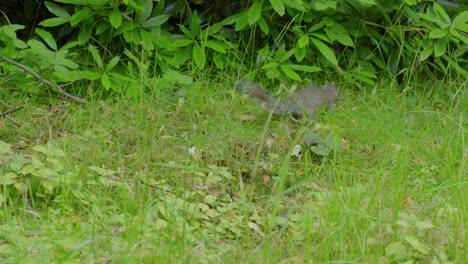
[
  {"x": 273, "y": 73},
  {"x": 57, "y": 10},
  {"x": 79, "y": 16},
  {"x": 112, "y": 63},
  {"x": 8, "y": 178},
  {"x": 461, "y": 21},
  {"x": 439, "y": 10},
  {"x": 155, "y": 21},
  {"x": 62, "y": 71},
  {"x": 345, "y": 39},
  {"x": 5, "y": 148},
  {"x": 325, "y": 50},
  {"x": 145, "y": 13},
  {"x": 320, "y": 150},
  {"x": 115, "y": 18},
  {"x": 397, "y": 250},
  {"x": 300, "y": 53},
  {"x": 195, "y": 24},
  {"x": 303, "y": 41},
  {"x": 270, "y": 65},
  {"x": 84, "y": 34},
  {"x": 296, "y": 4},
  {"x": 219, "y": 61},
  {"x": 106, "y": 82},
  {"x": 73, "y": 2},
  {"x": 96, "y": 56},
  {"x": 417, "y": 244},
  {"x": 278, "y": 6},
  {"x": 290, "y": 73},
  {"x": 263, "y": 25},
  {"x": 178, "y": 77},
  {"x": 440, "y": 47},
  {"x": 47, "y": 37},
  {"x": 242, "y": 22},
  {"x": 53, "y": 22},
  {"x": 147, "y": 40},
  {"x": 199, "y": 56},
  {"x": 458, "y": 35},
  {"x": 305, "y": 68},
  {"x": 367, "y": 2},
  {"x": 438, "y": 33},
  {"x": 324, "y": 5},
  {"x": 215, "y": 46},
  {"x": 255, "y": 12},
  {"x": 181, "y": 43},
  {"x": 187, "y": 32}
]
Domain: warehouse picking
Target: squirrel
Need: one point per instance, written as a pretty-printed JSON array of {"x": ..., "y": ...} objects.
[{"x": 307, "y": 100}]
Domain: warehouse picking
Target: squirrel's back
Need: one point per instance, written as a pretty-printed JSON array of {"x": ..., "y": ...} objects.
[{"x": 308, "y": 99}]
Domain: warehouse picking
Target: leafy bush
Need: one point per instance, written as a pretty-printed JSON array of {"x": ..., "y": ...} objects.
[{"x": 361, "y": 40}]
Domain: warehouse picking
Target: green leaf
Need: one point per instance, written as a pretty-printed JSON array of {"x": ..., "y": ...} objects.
[
  {"x": 263, "y": 25},
  {"x": 155, "y": 21},
  {"x": 178, "y": 77},
  {"x": 325, "y": 50},
  {"x": 270, "y": 65},
  {"x": 303, "y": 41},
  {"x": 181, "y": 43},
  {"x": 439, "y": 10},
  {"x": 254, "y": 13},
  {"x": 57, "y": 10},
  {"x": 290, "y": 72},
  {"x": 106, "y": 82},
  {"x": 96, "y": 56},
  {"x": 440, "y": 47},
  {"x": 47, "y": 37},
  {"x": 115, "y": 18},
  {"x": 417, "y": 244},
  {"x": 79, "y": 16},
  {"x": 85, "y": 34},
  {"x": 215, "y": 46},
  {"x": 112, "y": 63},
  {"x": 273, "y": 73},
  {"x": 304, "y": 68},
  {"x": 8, "y": 178},
  {"x": 52, "y": 22},
  {"x": 425, "y": 53},
  {"x": 296, "y": 4},
  {"x": 278, "y": 6},
  {"x": 300, "y": 53},
  {"x": 195, "y": 24},
  {"x": 461, "y": 21},
  {"x": 438, "y": 33},
  {"x": 199, "y": 56},
  {"x": 320, "y": 150},
  {"x": 219, "y": 61}
]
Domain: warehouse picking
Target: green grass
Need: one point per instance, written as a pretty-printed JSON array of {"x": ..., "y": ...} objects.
[{"x": 165, "y": 179}]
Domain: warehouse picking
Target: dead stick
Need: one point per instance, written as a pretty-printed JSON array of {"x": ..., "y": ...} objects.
[
  {"x": 39, "y": 77},
  {"x": 11, "y": 111}
]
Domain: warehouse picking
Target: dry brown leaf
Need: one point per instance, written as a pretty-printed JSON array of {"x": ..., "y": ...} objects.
[
  {"x": 407, "y": 202},
  {"x": 247, "y": 117}
]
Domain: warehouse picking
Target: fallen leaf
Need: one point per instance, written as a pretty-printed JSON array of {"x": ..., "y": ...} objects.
[
  {"x": 247, "y": 117},
  {"x": 266, "y": 179},
  {"x": 407, "y": 201}
]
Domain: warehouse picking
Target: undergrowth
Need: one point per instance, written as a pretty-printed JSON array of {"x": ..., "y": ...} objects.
[{"x": 207, "y": 176}]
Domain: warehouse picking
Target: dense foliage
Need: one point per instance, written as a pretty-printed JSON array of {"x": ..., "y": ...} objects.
[{"x": 115, "y": 41}]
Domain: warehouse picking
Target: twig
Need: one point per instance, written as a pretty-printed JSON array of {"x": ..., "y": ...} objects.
[
  {"x": 39, "y": 77},
  {"x": 11, "y": 111}
]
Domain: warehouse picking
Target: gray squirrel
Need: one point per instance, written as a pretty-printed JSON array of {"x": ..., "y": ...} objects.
[{"x": 305, "y": 101}]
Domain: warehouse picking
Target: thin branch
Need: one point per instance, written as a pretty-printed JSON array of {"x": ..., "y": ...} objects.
[
  {"x": 11, "y": 111},
  {"x": 39, "y": 77}
]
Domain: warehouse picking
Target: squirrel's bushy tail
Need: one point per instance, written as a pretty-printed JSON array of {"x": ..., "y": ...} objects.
[{"x": 275, "y": 105}]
